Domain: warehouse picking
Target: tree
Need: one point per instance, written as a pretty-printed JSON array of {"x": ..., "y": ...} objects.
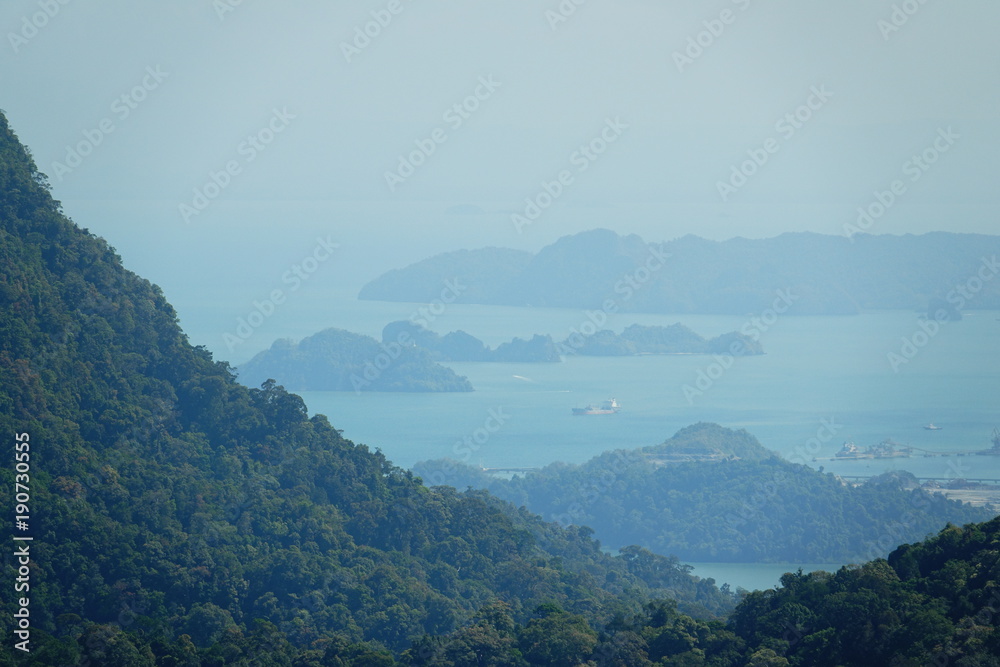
[{"x": 557, "y": 638}]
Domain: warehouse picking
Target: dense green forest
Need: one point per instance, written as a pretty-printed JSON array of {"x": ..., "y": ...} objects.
[
  {"x": 180, "y": 518},
  {"x": 714, "y": 494},
  {"x": 338, "y": 360},
  {"x": 934, "y": 603},
  {"x": 179, "y": 513},
  {"x": 803, "y": 273}
]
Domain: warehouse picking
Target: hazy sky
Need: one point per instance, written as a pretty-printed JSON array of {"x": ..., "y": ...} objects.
[{"x": 309, "y": 114}]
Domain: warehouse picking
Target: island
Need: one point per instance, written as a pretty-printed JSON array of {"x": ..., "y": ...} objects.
[
  {"x": 460, "y": 346},
  {"x": 823, "y": 274},
  {"x": 674, "y": 339},
  {"x": 338, "y": 360}
]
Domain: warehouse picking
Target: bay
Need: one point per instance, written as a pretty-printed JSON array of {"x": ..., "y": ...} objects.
[{"x": 822, "y": 381}]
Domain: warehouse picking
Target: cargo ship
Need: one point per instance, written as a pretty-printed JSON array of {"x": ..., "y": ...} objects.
[{"x": 608, "y": 407}]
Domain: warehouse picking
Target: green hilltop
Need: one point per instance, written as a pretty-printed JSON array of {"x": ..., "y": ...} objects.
[{"x": 713, "y": 494}]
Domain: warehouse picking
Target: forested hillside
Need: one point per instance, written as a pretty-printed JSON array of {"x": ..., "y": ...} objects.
[
  {"x": 713, "y": 494},
  {"x": 932, "y": 603},
  {"x": 180, "y": 518}
]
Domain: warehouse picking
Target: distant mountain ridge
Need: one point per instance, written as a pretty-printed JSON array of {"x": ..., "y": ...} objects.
[{"x": 828, "y": 275}]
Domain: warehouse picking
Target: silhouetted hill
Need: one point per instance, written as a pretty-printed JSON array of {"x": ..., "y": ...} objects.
[
  {"x": 805, "y": 273},
  {"x": 578, "y": 271},
  {"x": 474, "y": 276}
]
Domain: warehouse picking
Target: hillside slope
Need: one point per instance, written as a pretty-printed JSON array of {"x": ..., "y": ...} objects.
[{"x": 179, "y": 516}]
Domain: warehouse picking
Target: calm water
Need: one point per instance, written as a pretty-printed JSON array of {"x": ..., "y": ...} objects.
[
  {"x": 754, "y": 576},
  {"x": 817, "y": 370}
]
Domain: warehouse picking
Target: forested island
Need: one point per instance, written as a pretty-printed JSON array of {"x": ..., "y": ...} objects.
[
  {"x": 673, "y": 339},
  {"x": 713, "y": 494},
  {"x": 460, "y": 346},
  {"x": 180, "y": 518},
  {"x": 635, "y": 339},
  {"x": 804, "y": 273},
  {"x": 338, "y": 360}
]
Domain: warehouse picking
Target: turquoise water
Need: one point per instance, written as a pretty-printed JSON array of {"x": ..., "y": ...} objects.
[
  {"x": 817, "y": 370},
  {"x": 754, "y": 576}
]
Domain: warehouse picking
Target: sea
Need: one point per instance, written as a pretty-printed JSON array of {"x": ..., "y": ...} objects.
[{"x": 823, "y": 381}]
